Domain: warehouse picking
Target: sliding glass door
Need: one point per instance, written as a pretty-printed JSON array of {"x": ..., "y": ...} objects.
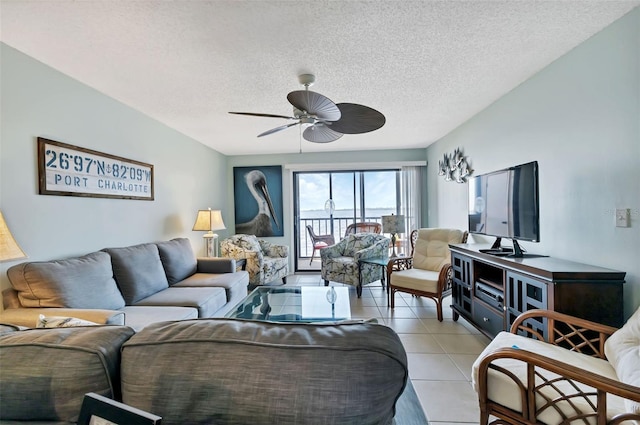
[{"x": 330, "y": 201}]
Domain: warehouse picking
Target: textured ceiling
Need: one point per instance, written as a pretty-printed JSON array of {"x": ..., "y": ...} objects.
[{"x": 428, "y": 66}]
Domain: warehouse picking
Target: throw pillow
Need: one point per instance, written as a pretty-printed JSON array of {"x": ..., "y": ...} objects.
[
  {"x": 81, "y": 282},
  {"x": 61, "y": 322},
  {"x": 138, "y": 271},
  {"x": 178, "y": 259},
  {"x": 623, "y": 352}
]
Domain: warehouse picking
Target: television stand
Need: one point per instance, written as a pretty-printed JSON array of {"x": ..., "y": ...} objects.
[{"x": 490, "y": 291}]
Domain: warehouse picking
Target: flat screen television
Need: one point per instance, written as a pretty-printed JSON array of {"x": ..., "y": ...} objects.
[{"x": 505, "y": 204}]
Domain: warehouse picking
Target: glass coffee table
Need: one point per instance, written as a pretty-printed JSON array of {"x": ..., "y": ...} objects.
[{"x": 294, "y": 304}]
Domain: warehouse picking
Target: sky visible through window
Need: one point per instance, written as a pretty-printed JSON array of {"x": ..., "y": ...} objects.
[{"x": 380, "y": 193}]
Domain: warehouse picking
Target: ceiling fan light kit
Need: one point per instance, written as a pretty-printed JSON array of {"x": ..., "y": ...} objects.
[{"x": 326, "y": 120}]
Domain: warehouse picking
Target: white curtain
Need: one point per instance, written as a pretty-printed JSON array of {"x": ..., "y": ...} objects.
[{"x": 411, "y": 193}]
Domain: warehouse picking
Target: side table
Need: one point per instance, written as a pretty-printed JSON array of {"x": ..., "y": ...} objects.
[{"x": 379, "y": 261}]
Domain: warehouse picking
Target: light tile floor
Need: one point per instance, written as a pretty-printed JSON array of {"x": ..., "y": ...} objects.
[{"x": 440, "y": 354}]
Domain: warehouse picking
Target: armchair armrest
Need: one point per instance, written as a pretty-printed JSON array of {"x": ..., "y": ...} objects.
[
  {"x": 397, "y": 264},
  {"x": 445, "y": 278},
  {"x": 578, "y": 334},
  {"x": 334, "y": 251},
  {"x": 274, "y": 250},
  {"x": 252, "y": 257},
  {"x": 216, "y": 265},
  {"x": 378, "y": 249},
  {"x": 536, "y": 382},
  {"x": 29, "y": 317}
]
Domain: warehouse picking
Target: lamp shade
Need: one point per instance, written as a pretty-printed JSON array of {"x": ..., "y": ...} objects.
[
  {"x": 208, "y": 220},
  {"x": 9, "y": 249},
  {"x": 393, "y": 224}
]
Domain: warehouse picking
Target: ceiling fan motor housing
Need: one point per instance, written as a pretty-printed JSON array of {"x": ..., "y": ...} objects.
[{"x": 307, "y": 80}]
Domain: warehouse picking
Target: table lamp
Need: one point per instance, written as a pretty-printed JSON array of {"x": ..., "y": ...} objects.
[
  {"x": 209, "y": 220},
  {"x": 393, "y": 224},
  {"x": 9, "y": 248}
]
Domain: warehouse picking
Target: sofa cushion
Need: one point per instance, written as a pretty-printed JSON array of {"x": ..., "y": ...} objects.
[
  {"x": 282, "y": 373},
  {"x": 138, "y": 271},
  {"x": 505, "y": 392},
  {"x": 418, "y": 279},
  {"x": 206, "y": 300},
  {"x": 6, "y": 328},
  {"x": 80, "y": 282},
  {"x": 177, "y": 258},
  {"x": 432, "y": 248},
  {"x": 623, "y": 352},
  {"x": 52, "y": 369},
  {"x": 235, "y": 284},
  {"x": 137, "y": 317},
  {"x": 28, "y": 317}
]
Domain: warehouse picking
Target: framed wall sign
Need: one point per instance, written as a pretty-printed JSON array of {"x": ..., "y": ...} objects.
[{"x": 68, "y": 170}]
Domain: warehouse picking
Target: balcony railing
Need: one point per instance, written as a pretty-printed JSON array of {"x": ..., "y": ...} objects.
[{"x": 322, "y": 226}]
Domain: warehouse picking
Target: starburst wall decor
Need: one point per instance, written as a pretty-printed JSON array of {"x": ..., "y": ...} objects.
[{"x": 455, "y": 167}]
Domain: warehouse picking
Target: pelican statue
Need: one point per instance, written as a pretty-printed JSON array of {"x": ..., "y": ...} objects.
[{"x": 260, "y": 225}]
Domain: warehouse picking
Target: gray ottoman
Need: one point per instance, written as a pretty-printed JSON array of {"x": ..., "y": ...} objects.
[{"x": 227, "y": 371}]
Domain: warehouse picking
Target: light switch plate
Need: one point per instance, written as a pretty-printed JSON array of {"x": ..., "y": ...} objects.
[{"x": 622, "y": 217}]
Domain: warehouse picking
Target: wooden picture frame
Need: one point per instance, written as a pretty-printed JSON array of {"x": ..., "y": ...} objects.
[
  {"x": 67, "y": 170},
  {"x": 100, "y": 410}
]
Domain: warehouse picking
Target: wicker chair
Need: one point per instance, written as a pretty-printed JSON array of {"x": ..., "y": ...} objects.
[
  {"x": 582, "y": 373},
  {"x": 319, "y": 241},
  {"x": 427, "y": 273},
  {"x": 364, "y": 227}
]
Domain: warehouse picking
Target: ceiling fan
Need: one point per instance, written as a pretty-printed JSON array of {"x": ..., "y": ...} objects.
[{"x": 327, "y": 121}]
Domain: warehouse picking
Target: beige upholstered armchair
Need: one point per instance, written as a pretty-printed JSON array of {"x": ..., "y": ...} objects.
[
  {"x": 427, "y": 273},
  {"x": 266, "y": 261}
]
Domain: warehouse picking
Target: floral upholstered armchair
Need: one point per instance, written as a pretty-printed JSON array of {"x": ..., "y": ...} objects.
[
  {"x": 341, "y": 262},
  {"x": 266, "y": 261}
]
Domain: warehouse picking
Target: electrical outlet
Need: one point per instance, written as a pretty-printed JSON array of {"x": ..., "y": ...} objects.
[{"x": 622, "y": 217}]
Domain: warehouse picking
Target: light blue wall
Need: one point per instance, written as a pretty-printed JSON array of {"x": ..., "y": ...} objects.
[
  {"x": 38, "y": 101},
  {"x": 580, "y": 119}
]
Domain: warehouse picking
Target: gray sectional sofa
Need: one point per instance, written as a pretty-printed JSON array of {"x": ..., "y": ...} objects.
[
  {"x": 133, "y": 286},
  {"x": 205, "y": 371}
]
